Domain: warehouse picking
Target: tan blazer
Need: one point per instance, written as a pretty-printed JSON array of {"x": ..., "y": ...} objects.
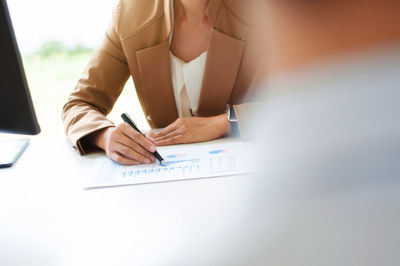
[{"x": 137, "y": 44}]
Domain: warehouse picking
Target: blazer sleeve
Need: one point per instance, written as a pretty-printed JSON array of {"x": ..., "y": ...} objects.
[{"x": 97, "y": 90}]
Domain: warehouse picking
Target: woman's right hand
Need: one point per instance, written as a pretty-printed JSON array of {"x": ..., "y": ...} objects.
[{"x": 125, "y": 145}]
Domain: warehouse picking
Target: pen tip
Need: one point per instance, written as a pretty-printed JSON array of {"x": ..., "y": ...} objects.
[{"x": 163, "y": 163}]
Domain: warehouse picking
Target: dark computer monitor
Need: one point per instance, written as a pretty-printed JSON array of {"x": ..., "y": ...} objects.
[{"x": 17, "y": 114}]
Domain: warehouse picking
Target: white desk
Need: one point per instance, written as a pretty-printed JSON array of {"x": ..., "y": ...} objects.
[{"x": 46, "y": 218}]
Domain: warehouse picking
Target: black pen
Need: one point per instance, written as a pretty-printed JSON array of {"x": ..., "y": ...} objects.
[{"x": 130, "y": 122}]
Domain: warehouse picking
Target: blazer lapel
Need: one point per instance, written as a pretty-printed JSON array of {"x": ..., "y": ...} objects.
[
  {"x": 223, "y": 61},
  {"x": 155, "y": 73}
]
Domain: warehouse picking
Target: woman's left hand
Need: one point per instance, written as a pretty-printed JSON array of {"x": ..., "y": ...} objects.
[{"x": 191, "y": 130}]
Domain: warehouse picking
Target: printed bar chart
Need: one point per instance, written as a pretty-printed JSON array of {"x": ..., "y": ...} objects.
[{"x": 183, "y": 162}]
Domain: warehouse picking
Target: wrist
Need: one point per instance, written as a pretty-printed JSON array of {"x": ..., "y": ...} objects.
[
  {"x": 225, "y": 124},
  {"x": 99, "y": 138}
]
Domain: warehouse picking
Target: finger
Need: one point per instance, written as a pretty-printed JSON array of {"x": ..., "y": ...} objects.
[
  {"x": 177, "y": 132},
  {"x": 150, "y": 136},
  {"x": 168, "y": 129},
  {"x": 124, "y": 140},
  {"x": 139, "y": 138},
  {"x": 171, "y": 141},
  {"x": 131, "y": 154},
  {"x": 122, "y": 160}
]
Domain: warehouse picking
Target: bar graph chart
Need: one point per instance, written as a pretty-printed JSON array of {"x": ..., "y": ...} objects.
[{"x": 183, "y": 162}]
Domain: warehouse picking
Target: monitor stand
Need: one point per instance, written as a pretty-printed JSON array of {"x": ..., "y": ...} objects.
[{"x": 11, "y": 150}]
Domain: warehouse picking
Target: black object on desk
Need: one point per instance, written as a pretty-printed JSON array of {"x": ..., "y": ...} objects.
[
  {"x": 17, "y": 114},
  {"x": 130, "y": 122}
]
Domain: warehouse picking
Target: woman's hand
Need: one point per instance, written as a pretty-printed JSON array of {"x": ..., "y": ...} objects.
[
  {"x": 124, "y": 145},
  {"x": 190, "y": 130}
]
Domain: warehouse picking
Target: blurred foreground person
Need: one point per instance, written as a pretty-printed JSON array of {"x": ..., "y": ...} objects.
[{"x": 328, "y": 192}]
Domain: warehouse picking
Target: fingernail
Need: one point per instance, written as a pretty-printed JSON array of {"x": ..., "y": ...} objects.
[
  {"x": 153, "y": 149},
  {"x": 147, "y": 161},
  {"x": 153, "y": 158}
]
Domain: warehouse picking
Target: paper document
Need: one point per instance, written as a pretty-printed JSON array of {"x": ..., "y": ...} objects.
[{"x": 183, "y": 162}]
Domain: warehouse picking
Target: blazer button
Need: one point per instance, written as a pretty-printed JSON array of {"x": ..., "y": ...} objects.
[{"x": 148, "y": 118}]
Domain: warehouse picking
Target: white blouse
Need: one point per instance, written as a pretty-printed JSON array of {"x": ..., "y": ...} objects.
[{"x": 187, "y": 76}]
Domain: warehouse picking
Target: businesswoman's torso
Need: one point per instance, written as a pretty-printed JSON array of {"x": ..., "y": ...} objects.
[{"x": 137, "y": 44}]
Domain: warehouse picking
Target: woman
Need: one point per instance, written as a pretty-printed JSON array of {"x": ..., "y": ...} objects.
[{"x": 189, "y": 59}]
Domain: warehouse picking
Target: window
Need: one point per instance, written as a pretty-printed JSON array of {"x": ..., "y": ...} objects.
[{"x": 56, "y": 39}]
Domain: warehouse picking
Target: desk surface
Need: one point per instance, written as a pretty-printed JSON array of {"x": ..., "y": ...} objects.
[{"x": 46, "y": 215}]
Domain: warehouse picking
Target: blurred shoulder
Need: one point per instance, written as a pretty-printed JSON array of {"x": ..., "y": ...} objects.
[
  {"x": 131, "y": 16},
  {"x": 240, "y": 9}
]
